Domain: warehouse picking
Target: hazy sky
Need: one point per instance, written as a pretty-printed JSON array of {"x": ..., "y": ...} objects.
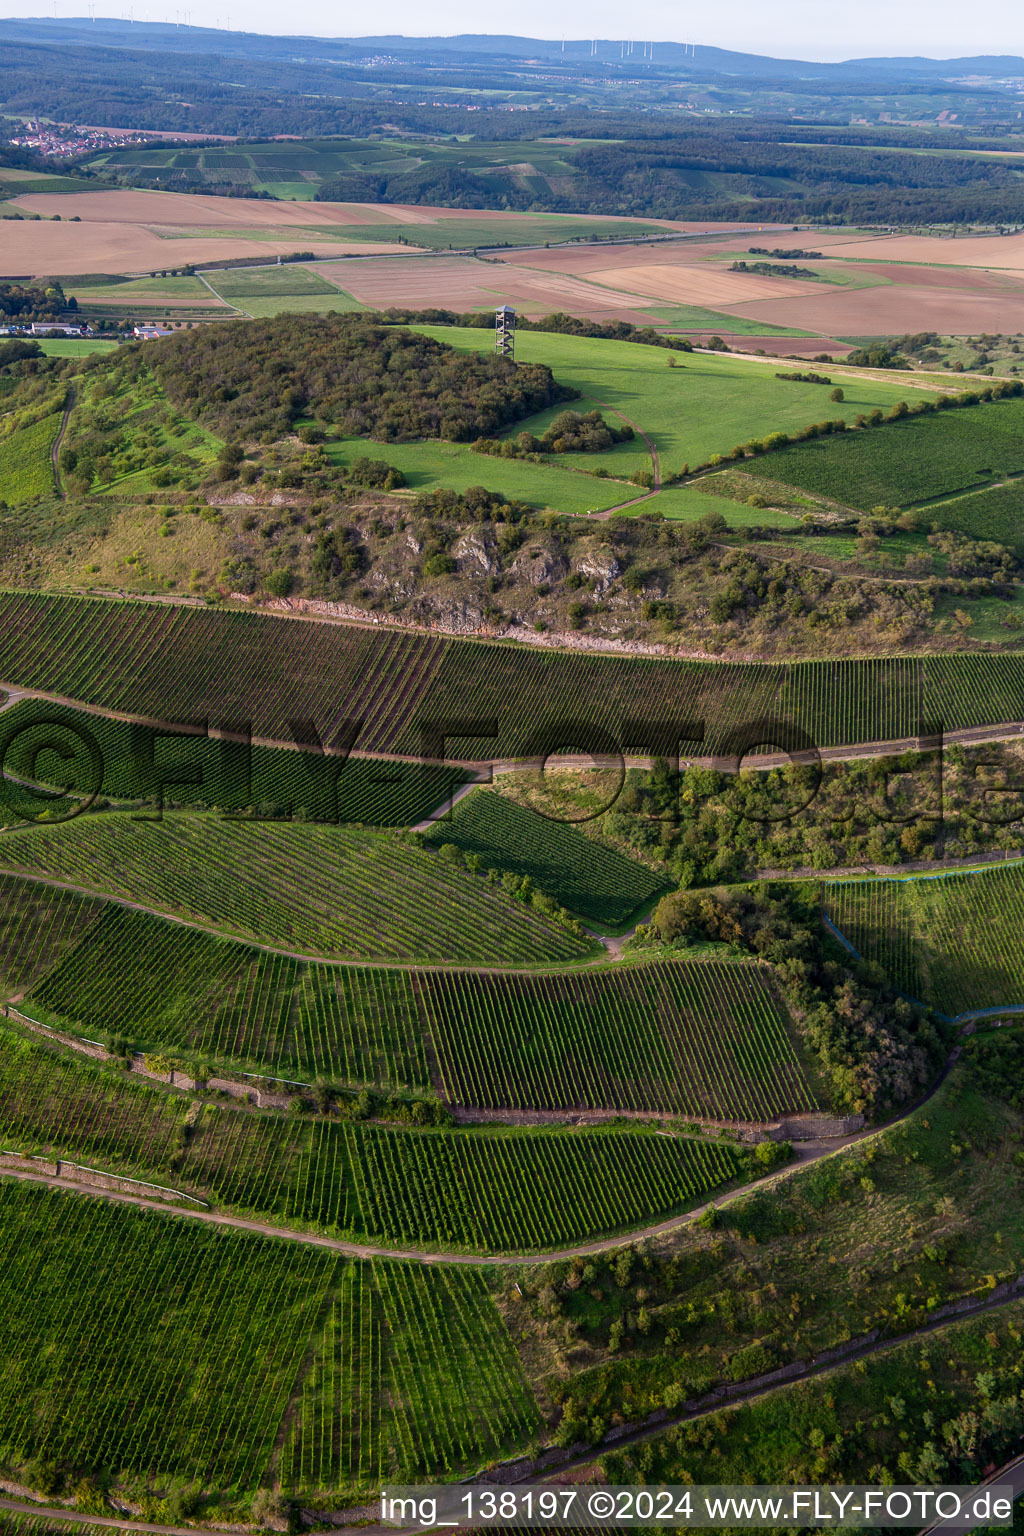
[{"x": 810, "y": 29}]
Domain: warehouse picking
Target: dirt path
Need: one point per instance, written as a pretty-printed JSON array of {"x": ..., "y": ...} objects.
[
  {"x": 58, "y": 440},
  {"x": 969, "y": 735},
  {"x": 61, "y": 1515},
  {"x": 634, "y": 501},
  {"x": 805, "y": 1154}
]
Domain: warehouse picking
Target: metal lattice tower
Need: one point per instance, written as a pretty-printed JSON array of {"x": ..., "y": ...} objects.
[{"x": 505, "y": 332}]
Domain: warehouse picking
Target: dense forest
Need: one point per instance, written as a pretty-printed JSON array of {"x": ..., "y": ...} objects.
[
  {"x": 258, "y": 378},
  {"x": 21, "y": 304}
]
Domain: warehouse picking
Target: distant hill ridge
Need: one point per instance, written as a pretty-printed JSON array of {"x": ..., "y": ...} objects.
[{"x": 676, "y": 56}]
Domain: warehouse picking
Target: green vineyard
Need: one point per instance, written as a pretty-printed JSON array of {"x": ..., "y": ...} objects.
[
  {"x": 140, "y": 763},
  {"x": 952, "y": 940},
  {"x": 909, "y": 461},
  {"x": 138, "y": 1342},
  {"x": 334, "y": 891},
  {"x": 169, "y": 1349},
  {"x": 698, "y": 1038},
  {"x": 37, "y": 925},
  {"x": 597, "y": 882},
  {"x": 703, "y": 1038},
  {"x": 405, "y": 692},
  {"x": 503, "y": 1190}
]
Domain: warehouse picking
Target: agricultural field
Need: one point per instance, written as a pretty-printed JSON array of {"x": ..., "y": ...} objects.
[
  {"x": 162, "y": 661},
  {"x": 26, "y": 466},
  {"x": 950, "y": 939},
  {"x": 909, "y": 462},
  {"x": 141, "y": 763},
  {"x": 505, "y": 1190},
  {"x": 440, "y": 1073},
  {"x": 530, "y": 1190},
  {"x": 587, "y": 877},
  {"x": 689, "y": 1037},
  {"x": 167, "y": 1404},
  {"x": 332, "y": 891},
  {"x": 996, "y": 514},
  {"x": 695, "y": 1038},
  {"x": 189, "y": 1377},
  {"x": 38, "y": 924}
]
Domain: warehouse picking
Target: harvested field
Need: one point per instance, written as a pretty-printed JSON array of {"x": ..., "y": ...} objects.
[
  {"x": 46, "y": 250},
  {"x": 1004, "y": 252},
  {"x": 136, "y": 206},
  {"x": 460, "y": 283},
  {"x": 685, "y": 284},
  {"x": 588, "y": 259},
  {"x": 892, "y": 311}
]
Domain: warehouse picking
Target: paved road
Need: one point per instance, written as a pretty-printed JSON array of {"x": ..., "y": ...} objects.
[{"x": 1011, "y": 1475}]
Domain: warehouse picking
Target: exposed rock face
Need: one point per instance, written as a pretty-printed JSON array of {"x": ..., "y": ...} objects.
[
  {"x": 476, "y": 552},
  {"x": 535, "y": 565},
  {"x": 599, "y": 565}
]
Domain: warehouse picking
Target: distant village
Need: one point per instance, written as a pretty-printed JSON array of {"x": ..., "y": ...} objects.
[{"x": 62, "y": 141}]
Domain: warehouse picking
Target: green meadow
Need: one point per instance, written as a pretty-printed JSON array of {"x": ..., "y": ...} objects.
[{"x": 692, "y": 405}]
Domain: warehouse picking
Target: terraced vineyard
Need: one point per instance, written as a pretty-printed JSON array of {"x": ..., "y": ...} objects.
[
  {"x": 136, "y": 1341},
  {"x": 310, "y": 785},
  {"x": 26, "y": 469},
  {"x": 507, "y": 1191},
  {"x": 172, "y": 1350},
  {"x": 699, "y": 1039},
  {"x": 324, "y": 890},
  {"x": 953, "y": 940},
  {"x": 37, "y": 924},
  {"x": 414, "y": 1368},
  {"x": 526, "y": 1190},
  {"x": 407, "y": 692},
  {"x": 597, "y": 882}
]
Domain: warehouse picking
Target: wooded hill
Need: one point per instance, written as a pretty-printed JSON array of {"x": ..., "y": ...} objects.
[{"x": 257, "y": 378}]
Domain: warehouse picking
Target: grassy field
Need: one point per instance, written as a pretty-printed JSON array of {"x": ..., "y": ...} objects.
[
  {"x": 289, "y": 279},
  {"x": 336, "y": 303},
  {"x": 597, "y": 882},
  {"x": 689, "y": 503},
  {"x": 702, "y": 406},
  {"x": 26, "y": 469},
  {"x": 908, "y": 462},
  {"x": 326, "y": 890},
  {"x": 170, "y": 292},
  {"x": 74, "y": 346},
  {"x": 693, "y": 317},
  {"x": 431, "y": 464}
]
